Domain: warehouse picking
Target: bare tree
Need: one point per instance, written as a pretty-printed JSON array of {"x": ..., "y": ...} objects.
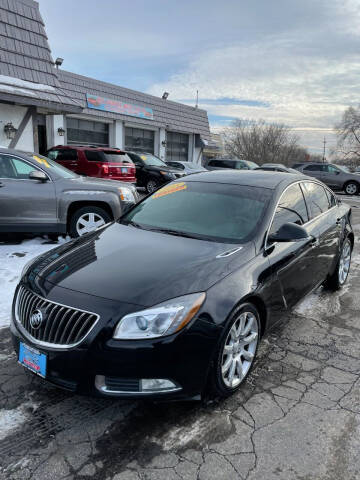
[
  {"x": 261, "y": 142},
  {"x": 348, "y": 133}
]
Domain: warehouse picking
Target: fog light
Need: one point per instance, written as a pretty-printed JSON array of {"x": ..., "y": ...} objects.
[{"x": 156, "y": 385}]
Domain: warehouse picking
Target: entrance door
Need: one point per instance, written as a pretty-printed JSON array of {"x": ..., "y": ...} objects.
[{"x": 41, "y": 133}]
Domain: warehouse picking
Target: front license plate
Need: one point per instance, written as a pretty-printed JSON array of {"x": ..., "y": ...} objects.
[
  {"x": 32, "y": 359},
  {"x": 124, "y": 170}
]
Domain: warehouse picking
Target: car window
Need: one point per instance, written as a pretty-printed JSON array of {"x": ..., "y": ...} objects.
[
  {"x": 240, "y": 165},
  {"x": 314, "y": 168},
  {"x": 6, "y": 168},
  {"x": 22, "y": 169},
  {"x": 291, "y": 208},
  {"x": 94, "y": 156},
  {"x": 316, "y": 198},
  {"x": 201, "y": 209},
  {"x": 151, "y": 160},
  {"x": 176, "y": 165},
  {"x": 222, "y": 163},
  {"x": 62, "y": 155},
  {"x": 331, "y": 198},
  {"x": 331, "y": 169}
]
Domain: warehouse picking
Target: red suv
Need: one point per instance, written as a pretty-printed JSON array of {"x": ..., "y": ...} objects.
[{"x": 92, "y": 161}]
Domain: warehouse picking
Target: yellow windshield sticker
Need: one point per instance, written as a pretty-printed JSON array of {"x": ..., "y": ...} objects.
[
  {"x": 41, "y": 160},
  {"x": 175, "y": 187},
  {"x": 143, "y": 157}
]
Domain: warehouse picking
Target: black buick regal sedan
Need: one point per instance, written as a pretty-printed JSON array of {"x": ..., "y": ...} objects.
[{"x": 171, "y": 300}]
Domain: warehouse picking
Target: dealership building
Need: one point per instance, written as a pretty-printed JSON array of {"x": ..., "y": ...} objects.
[{"x": 42, "y": 105}]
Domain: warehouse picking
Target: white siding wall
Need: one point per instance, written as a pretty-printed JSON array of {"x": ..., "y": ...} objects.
[{"x": 14, "y": 114}]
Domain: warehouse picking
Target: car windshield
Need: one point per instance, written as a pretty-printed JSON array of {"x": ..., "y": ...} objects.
[
  {"x": 47, "y": 163},
  {"x": 208, "y": 211},
  {"x": 152, "y": 160}
]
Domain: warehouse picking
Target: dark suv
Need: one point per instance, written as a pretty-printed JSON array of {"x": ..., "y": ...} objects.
[
  {"x": 93, "y": 161},
  {"x": 152, "y": 172},
  {"x": 334, "y": 176}
]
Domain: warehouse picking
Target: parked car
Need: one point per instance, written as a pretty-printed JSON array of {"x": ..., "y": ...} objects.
[
  {"x": 233, "y": 163},
  {"x": 152, "y": 172},
  {"x": 93, "y": 161},
  {"x": 276, "y": 167},
  {"x": 39, "y": 195},
  {"x": 333, "y": 176},
  {"x": 187, "y": 167},
  {"x": 172, "y": 300}
]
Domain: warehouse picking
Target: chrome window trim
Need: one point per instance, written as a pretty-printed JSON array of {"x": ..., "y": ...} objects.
[
  {"x": 48, "y": 344},
  {"x": 298, "y": 182},
  {"x": 29, "y": 163}
]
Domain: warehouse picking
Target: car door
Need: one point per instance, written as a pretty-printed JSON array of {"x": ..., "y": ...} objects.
[
  {"x": 324, "y": 218},
  {"x": 25, "y": 202},
  {"x": 332, "y": 177},
  {"x": 293, "y": 262},
  {"x": 67, "y": 157},
  {"x": 314, "y": 170}
]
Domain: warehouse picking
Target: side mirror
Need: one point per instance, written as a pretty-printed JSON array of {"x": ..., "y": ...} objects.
[
  {"x": 289, "y": 232},
  {"x": 39, "y": 176}
]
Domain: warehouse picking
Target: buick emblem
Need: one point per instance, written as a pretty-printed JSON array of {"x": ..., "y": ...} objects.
[{"x": 37, "y": 319}]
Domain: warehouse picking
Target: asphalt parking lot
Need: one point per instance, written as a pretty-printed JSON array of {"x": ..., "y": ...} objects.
[{"x": 297, "y": 416}]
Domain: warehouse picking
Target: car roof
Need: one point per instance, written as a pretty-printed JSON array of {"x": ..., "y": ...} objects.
[
  {"x": 253, "y": 178},
  {"x": 87, "y": 147}
]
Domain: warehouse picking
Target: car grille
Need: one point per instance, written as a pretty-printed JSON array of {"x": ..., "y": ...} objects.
[{"x": 62, "y": 326}]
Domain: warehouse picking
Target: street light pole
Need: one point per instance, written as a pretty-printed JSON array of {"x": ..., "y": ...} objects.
[{"x": 324, "y": 150}]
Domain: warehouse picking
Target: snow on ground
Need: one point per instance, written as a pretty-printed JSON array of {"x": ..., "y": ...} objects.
[{"x": 12, "y": 260}]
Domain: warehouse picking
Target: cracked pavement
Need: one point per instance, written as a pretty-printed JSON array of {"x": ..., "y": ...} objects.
[{"x": 297, "y": 416}]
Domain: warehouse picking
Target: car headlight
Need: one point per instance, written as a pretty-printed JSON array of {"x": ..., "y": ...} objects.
[
  {"x": 127, "y": 195},
  {"x": 163, "y": 319}
]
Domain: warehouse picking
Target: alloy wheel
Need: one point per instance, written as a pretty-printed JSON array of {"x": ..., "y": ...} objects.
[
  {"x": 344, "y": 263},
  {"x": 239, "y": 349},
  {"x": 151, "y": 186},
  {"x": 89, "y": 222},
  {"x": 351, "y": 189}
]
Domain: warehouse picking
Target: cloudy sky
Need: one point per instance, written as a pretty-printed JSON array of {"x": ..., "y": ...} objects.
[{"x": 288, "y": 61}]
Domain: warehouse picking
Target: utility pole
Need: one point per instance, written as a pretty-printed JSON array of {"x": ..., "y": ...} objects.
[
  {"x": 324, "y": 150},
  {"x": 197, "y": 99}
]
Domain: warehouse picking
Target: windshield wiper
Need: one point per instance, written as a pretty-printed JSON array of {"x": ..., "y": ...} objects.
[
  {"x": 176, "y": 233},
  {"x": 134, "y": 224}
]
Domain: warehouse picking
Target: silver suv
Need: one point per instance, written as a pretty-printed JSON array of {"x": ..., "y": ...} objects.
[
  {"x": 334, "y": 176},
  {"x": 38, "y": 195}
]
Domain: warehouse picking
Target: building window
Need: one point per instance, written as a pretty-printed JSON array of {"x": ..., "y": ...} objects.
[
  {"x": 138, "y": 140},
  {"x": 86, "y": 132},
  {"x": 177, "y": 146}
]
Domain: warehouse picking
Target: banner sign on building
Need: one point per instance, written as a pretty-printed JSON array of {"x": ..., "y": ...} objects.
[{"x": 115, "y": 106}]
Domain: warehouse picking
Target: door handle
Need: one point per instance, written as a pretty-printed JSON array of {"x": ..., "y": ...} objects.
[{"x": 315, "y": 242}]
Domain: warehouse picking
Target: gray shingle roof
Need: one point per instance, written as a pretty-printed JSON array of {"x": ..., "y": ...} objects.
[
  {"x": 25, "y": 55},
  {"x": 171, "y": 115}
]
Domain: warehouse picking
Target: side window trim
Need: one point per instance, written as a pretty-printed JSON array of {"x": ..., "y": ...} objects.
[{"x": 277, "y": 205}]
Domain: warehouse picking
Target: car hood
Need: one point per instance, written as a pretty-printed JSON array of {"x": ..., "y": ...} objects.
[
  {"x": 131, "y": 265},
  {"x": 91, "y": 182}
]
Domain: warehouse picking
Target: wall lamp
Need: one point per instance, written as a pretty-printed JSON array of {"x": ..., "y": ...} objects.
[
  {"x": 165, "y": 95},
  {"x": 61, "y": 132},
  {"x": 163, "y": 143},
  {"x": 10, "y": 131},
  {"x": 58, "y": 62}
]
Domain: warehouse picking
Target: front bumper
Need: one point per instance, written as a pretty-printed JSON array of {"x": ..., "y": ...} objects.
[{"x": 99, "y": 363}]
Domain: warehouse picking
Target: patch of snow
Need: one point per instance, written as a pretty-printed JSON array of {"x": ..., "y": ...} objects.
[
  {"x": 25, "y": 84},
  {"x": 10, "y": 420},
  {"x": 12, "y": 260}
]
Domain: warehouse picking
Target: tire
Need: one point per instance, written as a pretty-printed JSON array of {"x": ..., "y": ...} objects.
[
  {"x": 339, "y": 277},
  {"x": 151, "y": 185},
  {"x": 93, "y": 215},
  {"x": 230, "y": 351},
  {"x": 351, "y": 188}
]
